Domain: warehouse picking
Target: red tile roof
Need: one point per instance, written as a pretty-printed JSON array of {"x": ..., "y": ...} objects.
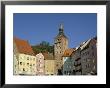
[
  {"x": 68, "y": 52},
  {"x": 23, "y": 46}
]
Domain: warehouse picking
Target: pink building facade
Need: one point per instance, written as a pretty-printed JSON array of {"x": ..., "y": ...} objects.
[{"x": 40, "y": 64}]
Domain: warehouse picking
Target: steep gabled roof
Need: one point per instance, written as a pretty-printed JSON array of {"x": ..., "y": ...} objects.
[
  {"x": 68, "y": 52},
  {"x": 23, "y": 46}
]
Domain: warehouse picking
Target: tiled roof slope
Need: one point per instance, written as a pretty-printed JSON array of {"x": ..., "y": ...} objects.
[
  {"x": 68, "y": 52},
  {"x": 23, "y": 46}
]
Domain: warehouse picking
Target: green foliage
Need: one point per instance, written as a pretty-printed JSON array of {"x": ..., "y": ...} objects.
[{"x": 43, "y": 47}]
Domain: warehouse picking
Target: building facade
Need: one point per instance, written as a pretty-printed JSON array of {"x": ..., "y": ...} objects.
[
  {"x": 24, "y": 58},
  {"x": 77, "y": 61},
  {"x": 15, "y": 59},
  {"x": 68, "y": 62},
  {"x": 60, "y": 45},
  {"x": 89, "y": 57},
  {"x": 40, "y": 64},
  {"x": 49, "y": 64}
]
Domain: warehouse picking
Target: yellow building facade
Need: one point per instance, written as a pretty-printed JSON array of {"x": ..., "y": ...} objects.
[
  {"x": 49, "y": 64},
  {"x": 49, "y": 67},
  {"x": 24, "y": 61},
  {"x": 27, "y": 64}
]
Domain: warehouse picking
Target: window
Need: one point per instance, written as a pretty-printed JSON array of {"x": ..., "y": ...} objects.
[
  {"x": 27, "y": 58},
  {"x": 94, "y": 67},
  {"x": 89, "y": 65},
  {"x": 85, "y": 66},
  {"x": 92, "y": 53},
  {"x": 70, "y": 72},
  {"x": 70, "y": 66},
  {"x": 88, "y": 53},
  {"x": 57, "y": 65},
  {"x": 93, "y": 61},
  {"x": 92, "y": 47},
  {"x": 20, "y": 63},
  {"x": 67, "y": 72},
  {"x": 38, "y": 70},
  {"x": 88, "y": 59},
  {"x": 84, "y": 60},
  {"x": 23, "y": 69},
  {"x": 40, "y": 65},
  {"x": 27, "y": 63}
]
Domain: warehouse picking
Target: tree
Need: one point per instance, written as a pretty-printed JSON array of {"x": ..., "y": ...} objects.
[{"x": 43, "y": 47}]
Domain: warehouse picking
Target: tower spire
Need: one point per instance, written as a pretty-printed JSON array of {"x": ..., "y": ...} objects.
[
  {"x": 61, "y": 29},
  {"x": 61, "y": 26}
]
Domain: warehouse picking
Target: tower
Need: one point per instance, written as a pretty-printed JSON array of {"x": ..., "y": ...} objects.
[{"x": 60, "y": 45}]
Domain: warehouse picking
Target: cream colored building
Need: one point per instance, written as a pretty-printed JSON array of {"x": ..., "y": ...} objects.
[
  {"x": 24, "y": 58},
  {"x": 49, "y": 64},
  {"x": 15, "y": 59}
]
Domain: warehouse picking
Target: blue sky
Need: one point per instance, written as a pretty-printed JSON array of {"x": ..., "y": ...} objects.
[{"x": 37, "y": 27}]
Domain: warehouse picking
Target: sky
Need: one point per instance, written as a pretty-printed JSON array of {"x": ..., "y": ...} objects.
[{"x": 38, "y": 27}]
